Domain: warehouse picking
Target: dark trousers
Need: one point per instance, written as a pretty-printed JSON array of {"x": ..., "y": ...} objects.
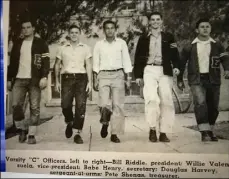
[
  {"x": 20, "y": 89},
  {"x": 74, "y": 86},
  {"x": 206, "y": 102}
]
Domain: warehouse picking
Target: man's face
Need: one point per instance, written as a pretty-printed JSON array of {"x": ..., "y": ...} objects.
[
  {"x": 204, "y": 29},
  {"x": 74, "y": 34},
  {"x": 27, "y": 29},
  {"x": 109, "y": 30},
  {"x": 155, "y": 22}
]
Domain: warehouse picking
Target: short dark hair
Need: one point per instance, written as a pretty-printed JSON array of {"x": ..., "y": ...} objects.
[
  {"x": 154, "y": 13},
  {"x": 202, "y": 20},
  {"x": 32, "y": 21},
  {"x": 73, "y": 26},
  {"x": 109, "y": 22}
]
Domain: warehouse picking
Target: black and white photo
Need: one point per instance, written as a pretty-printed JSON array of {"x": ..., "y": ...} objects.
[{"x": 133, "y": 88}]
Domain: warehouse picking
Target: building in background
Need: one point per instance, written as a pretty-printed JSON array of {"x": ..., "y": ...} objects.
[{"x": 125, "y": 15}]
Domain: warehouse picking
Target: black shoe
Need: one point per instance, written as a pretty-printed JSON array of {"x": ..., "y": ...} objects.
[
  {"x": 115, "y": 139},
  {"x": 213, "y": 136},
  {"x": 163, "y": 138},
  {"x": 68, "y": 131},
  {"x": 152, "y": 135},
  {"x": 78, "y": 139},
  {"x": 31, "y": 139},
  {"x": 22, "y": 136},
  {"x": 103, "y": 131},
  {"x": 205, "y": 136}
]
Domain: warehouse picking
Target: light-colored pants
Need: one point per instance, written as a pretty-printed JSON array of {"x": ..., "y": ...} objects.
[
  {"x": 112, "y": 96},
  {"x": 157, "y": 91}
]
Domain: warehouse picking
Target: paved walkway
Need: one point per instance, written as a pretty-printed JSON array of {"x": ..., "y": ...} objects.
[{"x": 183, "y": 140}]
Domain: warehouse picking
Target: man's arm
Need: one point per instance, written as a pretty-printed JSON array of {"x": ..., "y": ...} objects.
[
  {"x": 89, "y": 73},
  {"x": 45, "y": 61},
  {"x": 96, "y": 58},
  {"x": 45, "y": 65},
  {"x": 95, "y": 81},
  {"x": 136, "y": 59},
  {"x": 57, "y": 74},
  {"x": 126, "y": 60},
  {"x": 175, "y": 57},
  {"x": 88, "y": 61},
  {"x": 57, "y": 70},
  {"x": 11, "y": 68},
  {"x": 224, "y": 58},
  {"x": 95, "y": 66},
  {"x": 185, "y": 55},
  {"x": 89, "y": 69},
  {"x": 127, "y": 63},
  {"x": 137, "y": 63}
]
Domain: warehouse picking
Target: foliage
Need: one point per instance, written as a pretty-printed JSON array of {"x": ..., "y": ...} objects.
[
  {"x": 180, "y": 17},
  {"x": 53, "y": 16}
]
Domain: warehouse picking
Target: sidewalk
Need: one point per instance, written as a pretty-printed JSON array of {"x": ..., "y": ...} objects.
[{"x": 183, "y": 140}]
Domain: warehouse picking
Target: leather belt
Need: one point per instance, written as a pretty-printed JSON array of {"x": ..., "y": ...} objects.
[
  {"x": 154, "y": 64},
  {"x": 204, "y": 74},
  {"x": 113, "y": 70},
  {"x": 71, "y": 75}
]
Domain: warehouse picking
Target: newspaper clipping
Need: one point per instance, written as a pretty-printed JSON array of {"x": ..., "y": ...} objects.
[{"x": 127, "y": 89}]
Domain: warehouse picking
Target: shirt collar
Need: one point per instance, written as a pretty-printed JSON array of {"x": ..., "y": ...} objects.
[
  {"x": 197, "y": 40},
  {"x": 105, "y": 40},
  {"x": 150, "y": 33},
  {"x": 69, "y": 44}
]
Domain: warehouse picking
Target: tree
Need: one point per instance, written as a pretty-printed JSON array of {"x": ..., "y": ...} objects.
[
  {"x": 180, "y": 17},
  {"x": 52, "y": 17}
]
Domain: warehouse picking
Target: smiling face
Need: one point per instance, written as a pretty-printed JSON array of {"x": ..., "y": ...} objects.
[
  {"x": 204, "y": 29},
  {"x": 155, "y": 22},
  {"x": 27, "y": 29},
  {"x": 74, "y": 34}
]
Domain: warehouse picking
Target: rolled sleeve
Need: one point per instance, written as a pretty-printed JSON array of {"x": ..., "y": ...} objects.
[
  {"x": 126, "y": 58},
  {"x": 96, "y": 58}
]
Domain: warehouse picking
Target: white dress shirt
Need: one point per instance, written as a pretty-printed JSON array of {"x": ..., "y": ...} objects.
[
  {"x": 24, "y": 70},
  {"x": 73, "y": 59},
  {"x": 203, "y": 52},
  {"x": 111, "y": 56},
  {"x": 155, "y": 54}
]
